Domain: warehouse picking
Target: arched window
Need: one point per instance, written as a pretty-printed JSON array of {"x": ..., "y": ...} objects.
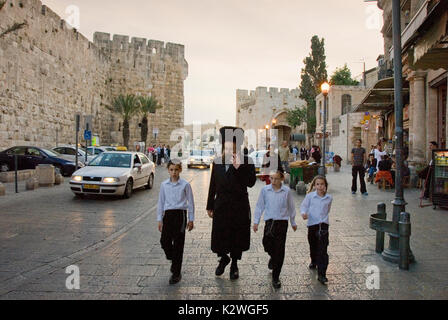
[{"x": 346, "y": 103}]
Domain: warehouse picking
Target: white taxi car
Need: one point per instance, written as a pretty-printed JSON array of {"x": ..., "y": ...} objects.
[
  {"x": 114, "y": 173},
  {"x": 200, "y": 158}
]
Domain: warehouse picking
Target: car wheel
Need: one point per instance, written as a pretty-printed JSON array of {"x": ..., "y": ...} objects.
[
  {"x": 4, "y": 167},
  {"x": 150, "y": 183},
  {"x": 128, "y": 189}
]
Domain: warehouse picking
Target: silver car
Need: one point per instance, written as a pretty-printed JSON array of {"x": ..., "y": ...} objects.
[
  {"x": 114, "y": 173},
  {"x": 69, "y": 153}
]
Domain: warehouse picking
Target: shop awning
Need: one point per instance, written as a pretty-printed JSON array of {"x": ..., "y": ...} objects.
[
  {"x": 428, "y": 46},
  {"x": 381, "y": 96}
]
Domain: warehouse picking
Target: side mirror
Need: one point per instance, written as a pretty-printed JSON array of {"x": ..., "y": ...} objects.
[{"x": 137, "y": 165}]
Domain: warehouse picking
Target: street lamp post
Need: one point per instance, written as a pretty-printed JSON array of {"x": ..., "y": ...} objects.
[
  {"x": 325, "y": 88},
  {"x": 392, "y": 253}
]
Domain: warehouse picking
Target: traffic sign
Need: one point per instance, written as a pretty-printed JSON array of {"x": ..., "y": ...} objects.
[{"x": 87, "y": 135}]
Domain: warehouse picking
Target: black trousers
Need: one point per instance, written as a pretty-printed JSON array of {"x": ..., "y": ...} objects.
[
  {"x": 359, "y": 170},
  {"x": 234, "y": 255},
  {"x": 318, "y": 240},
  {"x": 274, "y": 241},
  {"x": 173, "y": 237}
]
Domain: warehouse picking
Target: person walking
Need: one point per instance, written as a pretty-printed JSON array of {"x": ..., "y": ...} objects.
[
  {"x": 303, "y": 153},
  {"x": 271, "y": 162},
  {"x": 175, "y": 198},
  {"x": 316, "y": 208},
  {"x": 277, "y": 203},
  {"x": 284, "y": 153},
  {"x": 228, "y": 201},
  {"x": 358, "y": 168}
]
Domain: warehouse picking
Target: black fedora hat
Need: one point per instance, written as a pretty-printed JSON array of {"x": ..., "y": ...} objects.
[{"x": 233, "y": 134}]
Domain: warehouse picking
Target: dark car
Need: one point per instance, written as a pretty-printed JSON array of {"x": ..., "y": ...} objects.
[{"x": 30, "y": 157}]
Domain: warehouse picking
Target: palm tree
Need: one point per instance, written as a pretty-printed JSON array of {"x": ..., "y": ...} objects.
[
  {"x": 127, "y": 106},
  {"x": 147, "y": 105}
]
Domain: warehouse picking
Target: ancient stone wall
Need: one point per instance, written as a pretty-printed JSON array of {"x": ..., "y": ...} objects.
[
  {"x": 49, "y": 72},
  {"x": 257, "y": 108}
]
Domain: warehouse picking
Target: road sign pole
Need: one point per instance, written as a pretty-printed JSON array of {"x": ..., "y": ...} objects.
[{"x": 78, "y": 119}]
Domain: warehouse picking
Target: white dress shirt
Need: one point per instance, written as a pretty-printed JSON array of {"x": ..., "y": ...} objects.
[
  {"x": 175, "y": 196},
  {"x": 378, "y": 156},
  {"x": 276, "y": 205},
  {"x": 317, "y": 208}
]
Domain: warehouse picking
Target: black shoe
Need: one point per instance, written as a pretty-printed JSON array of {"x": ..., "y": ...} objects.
[
  {"x": 276, "y": 283},
  {"x": 312, "y": 266},
  {"x": 234, "y": 274},
  {"x": 175, "y": 279},
  {"x": 222, "y": 265},
  {"x": 270, "y": 265},
  {"x": 322, "y": 279}
]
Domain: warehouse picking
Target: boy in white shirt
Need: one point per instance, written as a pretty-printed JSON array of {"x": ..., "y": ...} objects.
[
  {"x": 315, "y": 208},
  {"x": 175, "y": 198},
  {"x": 277, "y": 203}
]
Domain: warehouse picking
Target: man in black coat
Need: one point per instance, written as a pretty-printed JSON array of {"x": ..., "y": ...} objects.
[{"x": 228, "y": 201}]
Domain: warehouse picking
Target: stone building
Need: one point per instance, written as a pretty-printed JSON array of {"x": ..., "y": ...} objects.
[
  {"x": 344, "y": 126},
  {"x": 424, "y": 49},
  {"x": 49, "y": 72},
  {"x": 262, "y": 107}
]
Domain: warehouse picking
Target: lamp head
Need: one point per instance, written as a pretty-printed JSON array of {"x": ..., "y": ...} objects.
[{"x": 325, "y": 88}]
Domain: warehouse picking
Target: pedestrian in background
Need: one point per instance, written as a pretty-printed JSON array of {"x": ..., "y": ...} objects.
[
  {"x": 358, "y": 167},
  {"x": 277, "y": 204},
  {"x": 175, "y": 198},
  {"x": 371, "y": 166},
  {"x": 295, "y": 152},
  {"x": 316, "y": 208},
  {"x": 284, "y": 153},
  {"x": 159, "y": 160}
]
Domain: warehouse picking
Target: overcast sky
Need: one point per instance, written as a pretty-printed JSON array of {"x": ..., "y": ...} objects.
[{"x": 239, "y": 44}]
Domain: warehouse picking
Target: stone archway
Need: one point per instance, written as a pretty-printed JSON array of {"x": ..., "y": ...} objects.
[{"x": 284, "y": 129}]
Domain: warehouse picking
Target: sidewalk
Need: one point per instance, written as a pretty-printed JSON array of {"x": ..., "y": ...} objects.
[{"x": 133, "y": 265}]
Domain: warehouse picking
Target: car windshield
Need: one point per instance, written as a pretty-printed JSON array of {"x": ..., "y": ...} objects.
[
  {"x": 51, "y": 153},
  {"x": 203, "y": 153},
  {"x": 115, "y": 160}
]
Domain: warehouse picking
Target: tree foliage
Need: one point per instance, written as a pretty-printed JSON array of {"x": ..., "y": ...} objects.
[
  {"x": 296, "y": 117},
  {"x": 147, "y": 105},
  {"x": 127, "y": 106},
  {"x": 343, "y": 77},
  {"x": 312, "y": 76}
]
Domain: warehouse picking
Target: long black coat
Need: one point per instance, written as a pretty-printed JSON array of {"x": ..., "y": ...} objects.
[{"x": 229, "y": 200}]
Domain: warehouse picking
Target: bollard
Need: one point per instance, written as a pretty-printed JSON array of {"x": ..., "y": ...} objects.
[
  {"x": 381, "y": 209},
  {"x": 404, "y": 230}
]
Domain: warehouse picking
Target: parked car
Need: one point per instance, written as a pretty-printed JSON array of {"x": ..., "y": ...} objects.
[
  {"x": 257, "y": 158},
  {"x": 99, "y": 150},
  {"x": 69, "y": 153},
  {"x": 201, "y": 158},
  {"x": 114, "y": 173},
  {"x": 30, "y": 157}
]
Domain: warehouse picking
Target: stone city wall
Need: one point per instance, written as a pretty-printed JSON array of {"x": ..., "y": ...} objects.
[{"x": 49, "y": 72}]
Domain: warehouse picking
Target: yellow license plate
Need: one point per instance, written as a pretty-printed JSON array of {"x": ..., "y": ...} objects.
[{"x": 91, "y": 186}]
